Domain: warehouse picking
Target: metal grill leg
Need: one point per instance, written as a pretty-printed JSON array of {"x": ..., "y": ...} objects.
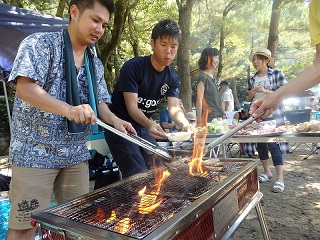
[{"x": 262, "y": 222}]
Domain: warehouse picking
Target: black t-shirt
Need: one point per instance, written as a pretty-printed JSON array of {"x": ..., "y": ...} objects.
[{"x": 139, "y": 76}]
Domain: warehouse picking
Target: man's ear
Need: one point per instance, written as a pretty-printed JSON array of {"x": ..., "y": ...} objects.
[
  {"x": 152, "y": 43},
  {"x": 74, "y": 11}
]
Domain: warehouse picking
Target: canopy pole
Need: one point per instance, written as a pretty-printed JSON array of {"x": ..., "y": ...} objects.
[{"x": 6, "y": 99}]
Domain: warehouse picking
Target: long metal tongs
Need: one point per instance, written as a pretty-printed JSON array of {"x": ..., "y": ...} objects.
[
  {"x": 231, "y": 132},
  {"x": 150, "y": 147}
]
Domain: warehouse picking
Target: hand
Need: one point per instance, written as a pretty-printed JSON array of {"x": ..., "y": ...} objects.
[
  {"x": 124, "y": 126},
  {"x": 263, "y": 104},
  {"x": 252, "y": 91},
  {"x": 81, "y": 114},
  {"x": 156, "y": 131},
  {"x": 188, "y": 128},
  {"x": 259, "y": 89}
]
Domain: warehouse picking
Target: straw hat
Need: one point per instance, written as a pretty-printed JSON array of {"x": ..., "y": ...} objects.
[
  {"x": 264, "y": 52},
  {"x": 191, "y": 116}
]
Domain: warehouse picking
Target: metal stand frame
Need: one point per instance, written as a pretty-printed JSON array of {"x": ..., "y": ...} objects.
[{"x": 254, "y": 203}]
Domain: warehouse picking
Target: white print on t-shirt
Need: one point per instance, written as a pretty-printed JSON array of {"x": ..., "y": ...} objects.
[
  {"x": 261, "y": 82},
  {"x": 149, "y": 102},
  {"x": 164, "y": 89}
]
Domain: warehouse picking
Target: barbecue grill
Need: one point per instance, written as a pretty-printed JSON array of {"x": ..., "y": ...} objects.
[{"x": 208, "y": 205}]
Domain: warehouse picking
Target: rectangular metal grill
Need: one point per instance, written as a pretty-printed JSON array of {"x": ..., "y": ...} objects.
[{"x": 184, "y": 198}]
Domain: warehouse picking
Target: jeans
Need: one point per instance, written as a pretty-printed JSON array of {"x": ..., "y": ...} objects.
[{"x": 275, "y": 151}]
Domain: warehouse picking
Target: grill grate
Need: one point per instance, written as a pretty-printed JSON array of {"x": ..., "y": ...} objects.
[{"x": 122, "y": 200}]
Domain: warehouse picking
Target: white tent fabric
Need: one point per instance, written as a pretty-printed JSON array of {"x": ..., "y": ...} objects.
[{"x": 16, "y": 24}]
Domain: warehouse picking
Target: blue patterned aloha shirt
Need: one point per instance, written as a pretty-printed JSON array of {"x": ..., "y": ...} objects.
[{"x": 41, "y": 139}]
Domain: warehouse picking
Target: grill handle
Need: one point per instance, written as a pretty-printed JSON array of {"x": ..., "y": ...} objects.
[
  {"x": 159, "y": 151},
  {"x": 230, "y": 133}
]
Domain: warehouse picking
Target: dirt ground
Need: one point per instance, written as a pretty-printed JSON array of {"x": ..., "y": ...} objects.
[{"x": 295, "y": 213}]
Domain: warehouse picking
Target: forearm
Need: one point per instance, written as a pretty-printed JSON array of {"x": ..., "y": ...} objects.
[
  {"x": 106, "y": 115},
  {"x": 250, "y": 96},
  {"x": 227, "y": 104},
  {"x": 177, "y": 115},
  {"x": 137, "y": 115},
  {"x": 35, "y": 95},
  {"x": 308, "y": 78}
]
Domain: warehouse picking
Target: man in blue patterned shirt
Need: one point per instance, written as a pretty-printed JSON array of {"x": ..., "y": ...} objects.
[{"x": 45, "y": 157}]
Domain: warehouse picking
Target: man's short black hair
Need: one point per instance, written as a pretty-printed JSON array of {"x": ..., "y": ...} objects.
[
  {"x": 166, "y": 28},
  {"x": 224, "y": 83},
  {"x": 88, "y": 4}
]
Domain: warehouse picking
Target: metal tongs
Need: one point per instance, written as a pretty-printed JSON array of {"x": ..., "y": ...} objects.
[
  {"x": 230, "y": 133},
  {"x": 150, "y": 147}
]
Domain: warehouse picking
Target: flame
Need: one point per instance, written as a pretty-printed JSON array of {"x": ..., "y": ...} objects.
[
  {"x": 148, "y": 201},
  {"x": 165, "y": 175},
  {"x": 195, "y": 166},
  {"x": 112, "y": 217},
  {"x": 99, "y": 217},
  {"x": 123, "y": 226}
]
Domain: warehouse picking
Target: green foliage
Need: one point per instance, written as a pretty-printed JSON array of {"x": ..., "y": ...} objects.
[
  {"x": 144, "y": 16},
  {"x": 246, "y": 27}
]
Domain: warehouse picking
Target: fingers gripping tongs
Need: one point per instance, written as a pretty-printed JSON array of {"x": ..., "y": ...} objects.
[{"x": 150, "y": 147}]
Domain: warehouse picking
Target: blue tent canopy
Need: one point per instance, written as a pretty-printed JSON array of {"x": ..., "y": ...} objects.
[{"x": 16, "y": 24}]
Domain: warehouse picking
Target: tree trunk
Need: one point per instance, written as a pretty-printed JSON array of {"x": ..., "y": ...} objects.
[
  {"x": 133, "y": 37},
  {"x": 222, "y": 38},
  {"x": 185, "y": 10},
  {"x": 274, "y": 27},
  {"x": 107, "y": 48},
  {"x": 61, "y": 6},
  {"x": 235, "y": 94}
]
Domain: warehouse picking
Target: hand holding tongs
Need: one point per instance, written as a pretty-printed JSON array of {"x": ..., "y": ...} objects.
[
  {"x": 231, "y": 132},
  {"x": 162, "y": 152}
]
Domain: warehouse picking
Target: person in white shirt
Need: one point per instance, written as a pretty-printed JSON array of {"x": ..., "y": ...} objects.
[{"x": 227, "y": 100}]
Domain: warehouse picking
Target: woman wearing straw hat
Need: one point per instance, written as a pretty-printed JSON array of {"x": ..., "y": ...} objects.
[{"x": 263, "y": 82}]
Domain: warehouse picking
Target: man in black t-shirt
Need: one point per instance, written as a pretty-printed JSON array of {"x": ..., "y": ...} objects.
[{"x": 142, "y": 84}]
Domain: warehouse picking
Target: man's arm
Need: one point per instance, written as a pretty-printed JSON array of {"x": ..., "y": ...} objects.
[
  {"x": 131, "y": 100},
  {"x": 109, "y": 117},
  {"x": 176, "y": 113},
  {"x": 227, "y": 104},
  {"x": 35, "y": 95}
]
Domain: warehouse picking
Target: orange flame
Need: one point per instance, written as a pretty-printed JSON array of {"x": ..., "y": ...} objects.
[
  {"x": 123, "y": 226},
  {"x": 195, "y": 166},
  {"x": 112, "y": 217},
  {"x": 148, "y": 201}
]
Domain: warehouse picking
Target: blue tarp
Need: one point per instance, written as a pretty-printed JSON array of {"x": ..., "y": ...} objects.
[{"x": 16, "y": 24}]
